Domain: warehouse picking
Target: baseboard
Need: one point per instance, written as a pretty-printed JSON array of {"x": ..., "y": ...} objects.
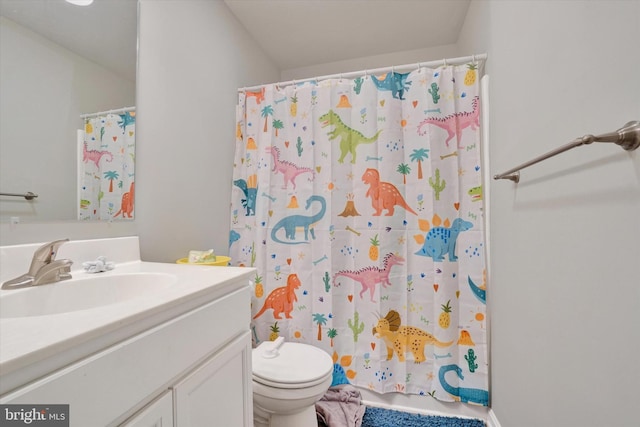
[{"x": 492, "y": 420}]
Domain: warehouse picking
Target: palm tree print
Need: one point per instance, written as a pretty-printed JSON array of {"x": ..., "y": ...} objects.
[
  {"x": 277, "y": 124},
  {"x": 332, "y": 333},
  {"x": 320, "y": 320},
  {"x": 419, "y": 155},
  {"x": 111, "y": 176},
  {"x": 266, "y": 112},
  {"x": 404, "y": 169}
]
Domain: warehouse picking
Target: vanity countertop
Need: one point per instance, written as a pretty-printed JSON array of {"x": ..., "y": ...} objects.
[{"x": 34, "y": 345}]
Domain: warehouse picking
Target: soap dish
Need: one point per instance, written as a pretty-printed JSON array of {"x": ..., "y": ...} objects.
[{"x": 220, "y": 261}]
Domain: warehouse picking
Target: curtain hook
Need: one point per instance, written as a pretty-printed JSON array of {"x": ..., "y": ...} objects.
[
  {"x": 473, "y": 59},
  {"x": 393, "y": 70},
  {"x": 445, "y": 62}
]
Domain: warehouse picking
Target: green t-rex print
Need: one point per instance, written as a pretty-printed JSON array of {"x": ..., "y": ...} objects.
[
  {"x": 349, "y": 138},
  {"x": 475, "y": 193}
]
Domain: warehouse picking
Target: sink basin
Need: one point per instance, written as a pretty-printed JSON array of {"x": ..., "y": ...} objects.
[{"x": 82, "y": 293}]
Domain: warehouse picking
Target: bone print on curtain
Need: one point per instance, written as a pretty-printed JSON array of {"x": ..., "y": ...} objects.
[{"x": 360, "y": 204}]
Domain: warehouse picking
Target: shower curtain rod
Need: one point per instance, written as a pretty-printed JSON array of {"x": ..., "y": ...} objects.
[
  {"x": 102, "y": 113},
  {"x": 430, "y": 64}
]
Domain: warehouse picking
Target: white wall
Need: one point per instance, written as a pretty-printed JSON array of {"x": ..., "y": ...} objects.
[
  {"x": 193, "y": 56},
  {"x": 371, "y": 62},
  {"x": 45, "y": 88},
  {"x": 565, "y": 276}
]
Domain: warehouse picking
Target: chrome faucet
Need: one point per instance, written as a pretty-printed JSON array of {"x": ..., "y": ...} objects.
[{"x": 45, "y": 268}]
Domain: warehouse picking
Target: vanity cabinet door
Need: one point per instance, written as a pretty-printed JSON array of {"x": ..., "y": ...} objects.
[
  {"x": 158, "y": 413},
  {"x": 219, "y": 392}
]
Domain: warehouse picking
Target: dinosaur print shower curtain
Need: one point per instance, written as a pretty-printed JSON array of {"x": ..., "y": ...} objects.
[
  {"x": 359, "y": 202},
  {"x": 107, "y": 171}
]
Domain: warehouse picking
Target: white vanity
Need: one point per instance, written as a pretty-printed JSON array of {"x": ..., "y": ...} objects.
[{"x": 170, "y": 347}]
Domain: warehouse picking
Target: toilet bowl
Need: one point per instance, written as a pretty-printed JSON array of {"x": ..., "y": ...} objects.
[{"x": 288, "y": 379}]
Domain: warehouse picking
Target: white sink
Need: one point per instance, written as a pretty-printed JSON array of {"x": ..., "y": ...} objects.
[{"x": 82, "y": 293}]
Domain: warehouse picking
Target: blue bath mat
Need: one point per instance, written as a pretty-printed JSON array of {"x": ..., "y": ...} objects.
[{"x": 378, "y": 417}]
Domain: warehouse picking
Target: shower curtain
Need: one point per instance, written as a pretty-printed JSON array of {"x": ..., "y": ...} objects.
[
  {"x": 359, "y": 202},
  {"x": 107, "y": 172}
]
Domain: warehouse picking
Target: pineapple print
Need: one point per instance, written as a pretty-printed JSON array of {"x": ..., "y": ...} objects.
[
  {"x": 470, "y": 76},
  {"x": 88, "y": 128},
  {"x": 444, "y": 320},
  {"x": 238, "y": 131},
  {"x": 259, "y": 288},
  {"x": 293, "y": 108},
  {"x": 374, "y": 251},
  {"x": 275, "y": 332}
]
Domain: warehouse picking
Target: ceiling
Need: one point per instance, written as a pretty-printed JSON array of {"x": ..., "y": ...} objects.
[
  {"x": 299, "y": 33},
  {"x": 294, "y": 33},
  {"x": 105, "y": 32}
]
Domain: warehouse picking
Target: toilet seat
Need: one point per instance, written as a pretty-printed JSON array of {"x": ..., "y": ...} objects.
[{"x": 296, "y": 366}]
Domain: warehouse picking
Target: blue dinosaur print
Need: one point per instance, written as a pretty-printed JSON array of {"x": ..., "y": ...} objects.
[
  {"x": 292, "y": 222},
  {"x": 395, "y": 82},
  {"x": 126, "y": 119},
  {"x": 234, "y": 236},
  {"x": 441, "y": 240},
  {"x": 478, "y": 292},
  {"x": 250, "y": 194},
  {"x": 466, "y": 395},
  {"x": 339, "y": 376}
]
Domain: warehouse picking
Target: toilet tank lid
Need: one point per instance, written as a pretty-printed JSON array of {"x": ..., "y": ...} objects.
[{"x": 296, "y": 363}]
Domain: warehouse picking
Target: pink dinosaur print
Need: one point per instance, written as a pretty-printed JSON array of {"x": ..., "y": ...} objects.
[
  {"x": 368, "y": 277},
  {"x": 455, "y": 123},
  {"x": 384, "y": 195},
  {"x": 94, "y": 155},
  {"x": 288, "y": 170}
]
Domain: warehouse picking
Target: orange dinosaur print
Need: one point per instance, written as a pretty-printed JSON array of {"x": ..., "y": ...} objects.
[
  {"x": 384, "y": 195},
  {"x": 281, "y": 299},
  {"x": 126, "y": 208},
  {"x": 259, "y": 95}
]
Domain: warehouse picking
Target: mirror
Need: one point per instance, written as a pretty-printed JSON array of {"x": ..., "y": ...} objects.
[{"x": 58, "y": 61}]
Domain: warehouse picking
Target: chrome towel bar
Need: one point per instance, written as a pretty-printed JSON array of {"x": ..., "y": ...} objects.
[
  {"x": 28, "y": 195},
  {"x": 628, "y": 137}
]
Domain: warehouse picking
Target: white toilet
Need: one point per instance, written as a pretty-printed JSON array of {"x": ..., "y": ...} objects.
[{"x": 288, "y": 379}]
